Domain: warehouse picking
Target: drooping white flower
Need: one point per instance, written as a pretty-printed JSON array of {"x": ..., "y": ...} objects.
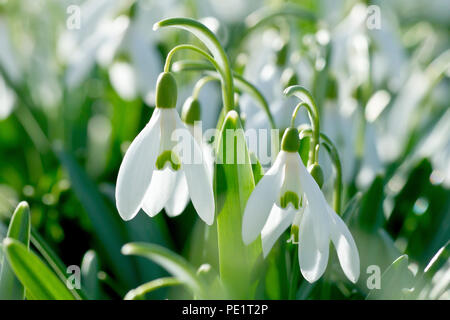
[
  {"x": 153, "y": 164},
  {"x": 288, "y": 194},
  {"x": 191, "y": 119}
]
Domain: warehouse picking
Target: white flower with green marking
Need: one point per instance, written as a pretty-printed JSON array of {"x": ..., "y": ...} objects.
[
  {"x": 150, "y": 174},
  {"x": 289, "y": 195}
]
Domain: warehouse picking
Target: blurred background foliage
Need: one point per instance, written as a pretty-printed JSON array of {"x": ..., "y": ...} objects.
[{"x": 72, "y": 99}]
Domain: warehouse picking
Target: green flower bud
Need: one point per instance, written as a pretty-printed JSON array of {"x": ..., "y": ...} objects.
[
  {"x": 166, "y": 91},
  {"x": 290, "y": 141},
  {"x": 316, "y": 171},
  {"x": 191, "y": 111}
]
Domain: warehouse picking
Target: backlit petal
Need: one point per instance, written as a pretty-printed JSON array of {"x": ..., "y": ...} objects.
[
  {"x": 279, "y": 220},
  {"x": 137, "y": 168},
  {"x": 262, "y": 199},
  {"x": 312, "y": 258},
  {"x": 345, "y": 246}
]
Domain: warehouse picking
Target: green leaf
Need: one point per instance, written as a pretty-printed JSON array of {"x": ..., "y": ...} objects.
[
  {"x": 233, "y": 184},
  {"x": 173, "y": 263},
  {"x": 89, "y": 279},
  {"x": 352, "y": 208},
  {"x": 140, "y": 292},
  {"x": 371, "y": 216},
  {"x": 394, "y": 281},
  {"x": 19, "y": 229},
  {"x": 106, "y": 223},
  {"x": 428, "y": 284},
  {"x": 39, "y": 281},
  {"x": 53, "y": 261}
]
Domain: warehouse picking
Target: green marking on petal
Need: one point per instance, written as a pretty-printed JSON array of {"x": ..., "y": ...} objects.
[
  {"x": 170, "y": 157},
  {"x": 294, "y": 233},
  {"x": 289, "y": 197}
]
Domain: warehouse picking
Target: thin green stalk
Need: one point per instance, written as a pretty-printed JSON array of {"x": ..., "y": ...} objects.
[
  {"x": 334, "y": 156},
  {"x": 140, "y": 292},
  {"x": 205, "y": 35},
  {"x": 200, "y": 83},
  {"x": 241, "y": 83},
  {"x": 305, "y": 96},
  {"x": 192, "y": 48}
]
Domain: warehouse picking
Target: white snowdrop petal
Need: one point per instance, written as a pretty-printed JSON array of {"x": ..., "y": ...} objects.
[
  {"x": 345, "y": 247},
  {"x": 312, "y": 258},
  {"x": 279, "y": 220},
  {"x": 317, "y": 203},
  {"x": 160, "y": 190},
  {"x": 180, "y": 197},
  {"x": 137, "y": 168},
  {"x": 262, "y": 200},
  {"x": 197, "y": 176}
]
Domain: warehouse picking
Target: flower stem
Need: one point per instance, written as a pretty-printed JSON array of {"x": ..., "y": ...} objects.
[
  {"x": 218, "y": 53},
  {"x": 334, "y": 156},
  {"x": 241, "y": 83},
  {"x": 188, "y": 47},
  {"x": 200, "y": 83},
  {"x": 305, "y": 96}
]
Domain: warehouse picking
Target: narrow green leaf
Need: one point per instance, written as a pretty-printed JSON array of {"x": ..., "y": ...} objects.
[
  {"x": 19, "y": 229},
  {"x": 36, "y": 277},
  {"x": 173, "y": 263},
  {"x": 352, "y": 208},
  {"x": 371, "y": 217},
  {"x": 427, "y": 286},
  {"x": 140, "y": 292},
  {"x": 233, "y": 184},
  {"x": 89, "y": 279},
  {"x": 394, "y": 281},
  {"x": 53, "y": 261}
]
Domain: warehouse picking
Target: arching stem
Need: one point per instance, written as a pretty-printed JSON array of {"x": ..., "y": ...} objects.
[
  {"x": 305, "y": 96},
  {"x": 241, "y": 83},
  {"x": 221, "y": 63},
  {"x": 200, "y": 83}
]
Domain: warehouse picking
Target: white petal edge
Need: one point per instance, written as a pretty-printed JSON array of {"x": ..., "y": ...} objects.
[
  {"x": 312, "y": 259},
  {"x": 136, "y": 169},
  {"x": 279, "y": 220},
  {"x": 261, "y": 200},
  {"x": 197, "y": 178},
  {"x": 345, "y": 247},
  {"x": 180, "y": 197},
  {"x": 317, "y": 204},
  {"x": 160, "y": 190}
]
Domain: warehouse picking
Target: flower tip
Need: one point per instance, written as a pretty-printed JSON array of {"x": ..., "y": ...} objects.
[
  {"x": 156, "y": 26},
  {"x": 126, "y": 249},
  {"x": 353, "y": 277},
  {"x": 232, "y": 115},
  {"x": 7, "y": 242},
  {"x": 23, "y": 205}
]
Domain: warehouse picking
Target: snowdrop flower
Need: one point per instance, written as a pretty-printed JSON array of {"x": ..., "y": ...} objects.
[
  {"x": 180, "y": 197},
  {"x": 289, "y": 195},
  {"x": 152, "y": 164}
]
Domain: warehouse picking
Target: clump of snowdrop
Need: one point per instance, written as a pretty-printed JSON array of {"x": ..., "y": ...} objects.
[
  {"x": 154, "y": 164},
  {"x": 289, "y": 195}
]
